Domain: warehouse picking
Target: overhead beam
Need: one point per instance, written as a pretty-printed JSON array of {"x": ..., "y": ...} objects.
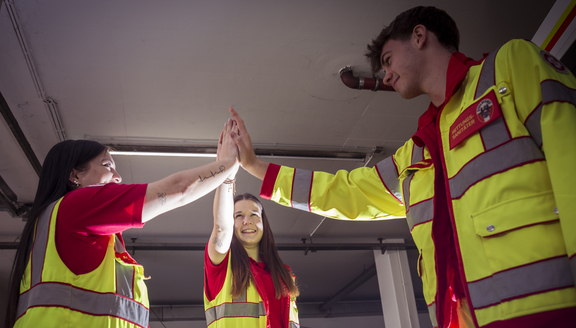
[
  {"x": 195, "y": 312},
  {"x": 280, "y": 247},
  {"x": 19, "y": 135},
  {"x": 350, "y": 287},
  {"x": 9, "y": 201}
]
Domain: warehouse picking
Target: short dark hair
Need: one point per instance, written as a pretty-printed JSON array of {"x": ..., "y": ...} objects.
[{"x": 436, "y": 21}]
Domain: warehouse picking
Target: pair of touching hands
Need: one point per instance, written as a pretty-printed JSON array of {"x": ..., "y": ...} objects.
[{"x": 235, "y": 143}]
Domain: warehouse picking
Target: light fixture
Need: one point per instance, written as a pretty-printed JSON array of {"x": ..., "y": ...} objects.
[
  {"x": 161, "y": 154},
  {"x": 164, "y": 147}
]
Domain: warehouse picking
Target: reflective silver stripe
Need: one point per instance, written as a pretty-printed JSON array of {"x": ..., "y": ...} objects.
[
  {"x": 556, "y": 91},
  {"x": 507, "y": 156},
  {"x": 551, "y": 91},
  {"x": 63, "y": 295},
  {"x": 232, "y": 310},
  {"x": 389, "y": 176},
  {"x": 525, "y": 280},
  {"x": 40, "y": 243},
  {"x": 432, "y": 313},
  {"x": 56, "y": 294},
  {"x": 118, "y": 247},
  {"x": 495, "y": 134},
  {"x": 406, "y": 191},
  {"x": 533, "y": 125},
  {"x": 124, "y": 280},
  {"x": 124, "y": 273},
  {"x": 292, "y": 324},
  {"x": 301, "y": 189},
  {"x": 417, "y": 154},
  {"x": 487, "y": 75},
  {"x": 420, "y": 213},
  {"x": 573, "y": 267}
]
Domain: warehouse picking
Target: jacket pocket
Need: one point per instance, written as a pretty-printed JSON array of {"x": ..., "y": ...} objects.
[{"x": 515, "y": 214}]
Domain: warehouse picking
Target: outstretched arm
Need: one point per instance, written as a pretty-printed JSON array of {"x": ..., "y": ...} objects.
[
  {"x": 247, "y": 156},
  {"x": 223, "y": 209},
  {"x": 186, "y": 186}
]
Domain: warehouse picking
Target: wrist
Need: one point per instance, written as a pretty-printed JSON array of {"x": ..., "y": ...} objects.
[{"x": 230, "y": 185}]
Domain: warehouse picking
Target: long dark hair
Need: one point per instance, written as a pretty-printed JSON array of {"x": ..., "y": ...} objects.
[
  {"x": 54, "y": 183},
  {"x": 283, "y": 282}
]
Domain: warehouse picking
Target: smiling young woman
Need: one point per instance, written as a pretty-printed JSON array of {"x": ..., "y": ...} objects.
[
  {"x": 246, "y": 284},
  {"x": 71, "y": 268}
]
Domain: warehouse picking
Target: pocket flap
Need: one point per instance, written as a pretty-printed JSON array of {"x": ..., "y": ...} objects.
[{"x": 515, "y": 214}]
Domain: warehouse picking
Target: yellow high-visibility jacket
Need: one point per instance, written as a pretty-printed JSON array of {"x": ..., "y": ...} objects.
[
  {"x": 508, "y": 152},
  {"x": 247, "y": 311},
  {"x": 113, "y": 295}
]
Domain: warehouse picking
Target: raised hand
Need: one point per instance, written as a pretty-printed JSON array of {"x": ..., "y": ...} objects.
[
  {"x": 247, "y": 156},
  {"x": 226, "y": 146}
]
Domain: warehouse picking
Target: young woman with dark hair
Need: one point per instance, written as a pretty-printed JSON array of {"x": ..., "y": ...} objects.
[
  {"x": 246, "y": 284},
  {"x": 71, "y": 268}
]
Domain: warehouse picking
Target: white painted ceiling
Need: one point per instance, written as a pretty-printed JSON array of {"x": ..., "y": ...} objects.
[{"x": 165, "y": 72}]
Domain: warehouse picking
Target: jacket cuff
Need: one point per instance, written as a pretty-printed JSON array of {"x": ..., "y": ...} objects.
[{"x": 269, "y": 181}]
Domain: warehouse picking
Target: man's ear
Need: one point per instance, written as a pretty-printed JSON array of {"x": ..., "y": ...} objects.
[{"x": 419, "y": 35}]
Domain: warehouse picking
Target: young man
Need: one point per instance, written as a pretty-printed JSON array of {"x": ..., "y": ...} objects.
[{"x": 485, "y": 183}]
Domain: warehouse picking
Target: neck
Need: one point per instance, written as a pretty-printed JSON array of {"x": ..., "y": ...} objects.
[
  {"x": 435, "y": 82},
  {"x": 253, "y": 252}
]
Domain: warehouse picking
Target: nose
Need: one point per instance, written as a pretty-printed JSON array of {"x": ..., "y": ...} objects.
[
  {"x": 388, "y": 78},
  {"x": 116, "y": 177}
]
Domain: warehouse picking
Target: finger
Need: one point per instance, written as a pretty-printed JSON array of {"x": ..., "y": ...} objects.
[
  {"x": 238, "y": 119},
  {"x": 221, "y": 136}
]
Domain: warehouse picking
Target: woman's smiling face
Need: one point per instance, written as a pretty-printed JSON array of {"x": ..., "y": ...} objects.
[{"x": 248, "y": 226}]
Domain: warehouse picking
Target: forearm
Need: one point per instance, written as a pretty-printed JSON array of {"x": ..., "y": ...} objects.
[
  {"x": 356, "y": 195},
  {"x": 223, "y": 229},
  {"x": 257, "y": 168},
  {"x": 184, "y": 187}
]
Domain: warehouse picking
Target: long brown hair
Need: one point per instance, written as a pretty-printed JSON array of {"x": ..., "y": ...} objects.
[
  {"x": 284, "y": 284},
  {"x": 54, "y": 183}
]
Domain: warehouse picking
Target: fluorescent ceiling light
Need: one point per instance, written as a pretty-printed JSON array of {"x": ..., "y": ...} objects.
[{"x": 161, "y": 154}]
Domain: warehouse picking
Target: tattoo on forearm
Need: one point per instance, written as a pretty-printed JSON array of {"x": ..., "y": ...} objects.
[
  {"x": 221, "y": 169},
  {"x": 217, "y": 242},
  {"x": 162, "y": 198}
]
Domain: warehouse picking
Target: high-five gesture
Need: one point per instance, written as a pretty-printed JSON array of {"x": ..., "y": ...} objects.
[
  {"x": 248, "y": 158},
  {"x": 226, "y": 146}
]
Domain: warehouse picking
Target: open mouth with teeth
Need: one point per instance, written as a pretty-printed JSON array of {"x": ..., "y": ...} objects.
[{"x": 249, "y": 231}]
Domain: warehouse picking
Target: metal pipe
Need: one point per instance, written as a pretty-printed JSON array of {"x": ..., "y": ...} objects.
[
  {"x": 49, "y": 104},
  {"x": 374, "y": 83}
]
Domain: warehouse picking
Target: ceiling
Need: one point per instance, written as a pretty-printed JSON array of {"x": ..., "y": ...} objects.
[{"x": 164, "y": 73}]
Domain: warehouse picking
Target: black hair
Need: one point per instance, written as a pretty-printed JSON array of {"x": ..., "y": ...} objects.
[{"x": 54, "y": 183}]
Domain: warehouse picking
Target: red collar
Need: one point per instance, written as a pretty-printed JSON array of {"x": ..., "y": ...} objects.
[{"x": 457, "y": 69}]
